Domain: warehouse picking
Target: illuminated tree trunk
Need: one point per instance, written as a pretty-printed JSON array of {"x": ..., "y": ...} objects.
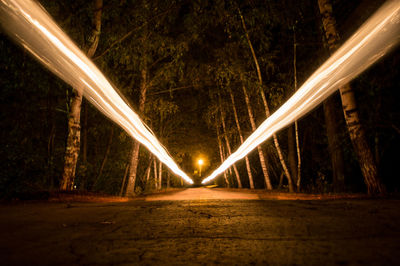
[
  {"x": 74, "y": 116},
  {"x": 259, "y": 149},
  {"x": 356, "y": 132},
  {"x": 241, "y": 139},
  {"x": 296, "y": 126},
  {"x": 160, "y": 175},
  {"x": 148, "y": 169},
  {"x": 155, "y": 173},
  {"x": 228, "y": 145},
  {"x": 130, "y": 189},
  {"x": 292, "y": 152},
  {"x": 296, "y": 129},
  {"x": 221, "y": 154},
  {"x": 267, "y": 112}
]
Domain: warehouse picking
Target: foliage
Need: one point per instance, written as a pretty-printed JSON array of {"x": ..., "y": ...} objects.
[{"x": 192, "y": 50}]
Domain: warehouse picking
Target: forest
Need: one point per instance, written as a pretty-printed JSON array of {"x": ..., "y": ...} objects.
[{"x": 203, "y": 75}]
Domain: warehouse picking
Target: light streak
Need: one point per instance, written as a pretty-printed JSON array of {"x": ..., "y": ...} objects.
[
  {"x": 372, "y": 41},
  {"x": 29, "y": 24}
]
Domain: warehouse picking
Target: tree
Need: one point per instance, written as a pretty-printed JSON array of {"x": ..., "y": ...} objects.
[
  {"x": 261, "y": 156},
  {"x": 73, "y": 139},
  {"x": 225, "y": 134},
  {"x": 349, "y": 105},
  {"x": 151, "y": 62},
  {"x": 248, "y": 168},
  {"x": 264, "y": 100},
  {"x": 297, "y": 174},
  {"x": 130, "y": 188}
]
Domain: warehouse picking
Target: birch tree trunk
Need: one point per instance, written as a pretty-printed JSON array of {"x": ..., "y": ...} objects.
[
  {"x": 296, "y": 126},
  {"x": 296, "y": 129},
  {"x": 241, "y": 139},
  {"x": 130, "y": 189},
  {"x": 155, "y": 173},
  {"x": 292, "y": 158},
  {"x": 267, "y": 112},
  {"x": 160, "y": 175},
  {"x": 74, "y": 116},
  {"x": 148, "y": 169},
  {"x": 349, "y": 105},
  {"x": 221, "y": 154},
  {"x": 259, "y": 149},
  {"x": 228, "y": 145}
]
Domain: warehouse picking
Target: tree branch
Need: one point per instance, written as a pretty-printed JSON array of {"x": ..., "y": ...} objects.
[{"x": 128, "y": 34}]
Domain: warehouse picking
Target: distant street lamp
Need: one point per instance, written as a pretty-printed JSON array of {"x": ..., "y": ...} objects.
[{"x": 200, "y": 162}]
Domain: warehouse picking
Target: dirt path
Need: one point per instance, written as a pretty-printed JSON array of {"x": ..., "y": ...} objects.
[{"x": 204, "y": 229}]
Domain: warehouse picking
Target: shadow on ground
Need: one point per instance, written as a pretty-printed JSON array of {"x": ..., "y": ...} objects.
[{"x": 203, "y": 230}]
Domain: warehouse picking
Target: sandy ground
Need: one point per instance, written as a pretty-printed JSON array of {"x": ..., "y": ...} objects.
[{"x": 202, "y": 226}]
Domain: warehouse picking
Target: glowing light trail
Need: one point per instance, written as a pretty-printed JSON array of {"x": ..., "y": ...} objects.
[
  {"x": 373, "y": 40},
  {"x": 29, "y": 24}
]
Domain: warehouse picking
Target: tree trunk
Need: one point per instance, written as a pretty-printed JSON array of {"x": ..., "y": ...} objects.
[
  {"x": 121, "y": 192},
  {"x": 332, "y": 130},
  {"x": 360, "y": 144},
  {"x": 280, "y": 181},
  {"x": 168, "y": 179},
  {"x": 228, "y": 146},
  {"x": 296, "y": 126},
  {"x": 74, "y": 116},
  {"x": 221, "y": 154},
  {"x": 148, "y": 169},
  {"x": 103, "y": 163},
  {"x": 259, "y": 149},
  {"x": 155, "y": 173},
  {"x": 356, "y": 131},
  {"x": 241, "y": 139},
  {"x": 335, "y": 150},
  {"x": 160, "y": 175},
  {"x": 267, "y": 112},
  {"x": 130, "y": 189},
  {"x": 277, "y": 146},
  {"x": 73, "y": 141},
  {"x": 292, "y": 153}
]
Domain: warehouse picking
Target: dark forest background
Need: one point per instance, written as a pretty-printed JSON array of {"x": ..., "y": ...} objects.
[{"x": 196, "y": 53}]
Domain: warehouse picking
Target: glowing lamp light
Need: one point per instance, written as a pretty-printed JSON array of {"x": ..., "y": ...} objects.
[{"x": 200, "y": 162}]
